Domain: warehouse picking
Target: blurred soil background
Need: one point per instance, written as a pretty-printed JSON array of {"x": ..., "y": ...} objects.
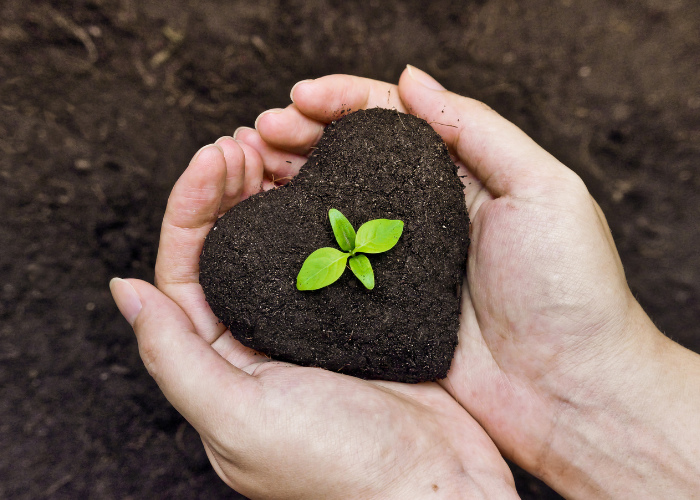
[{"x": 103, "y": 102}]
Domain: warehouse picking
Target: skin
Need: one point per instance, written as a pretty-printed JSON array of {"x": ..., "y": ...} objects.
[
  {"x": 275, "y": 430},
  {"x": 556, "y": 360}
]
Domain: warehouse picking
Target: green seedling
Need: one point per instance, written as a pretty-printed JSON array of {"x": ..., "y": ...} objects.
[{"x": 325, "y": 265}]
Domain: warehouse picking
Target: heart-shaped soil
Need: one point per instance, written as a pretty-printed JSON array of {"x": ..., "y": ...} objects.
[{"x": 373, "y": 164}]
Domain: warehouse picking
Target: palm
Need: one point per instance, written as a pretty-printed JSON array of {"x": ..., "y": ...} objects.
[
  {"x": 527, "y": 308},
  {"x": 369, "y": 431}
]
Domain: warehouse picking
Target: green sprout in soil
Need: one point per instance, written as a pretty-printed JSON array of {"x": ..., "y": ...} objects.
[{"x": 325, "y": 265}]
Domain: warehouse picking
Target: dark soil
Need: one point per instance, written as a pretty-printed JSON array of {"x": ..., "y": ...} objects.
[
  {"x": 103, "y": 103},
  {"x": 369, "y": 165}
]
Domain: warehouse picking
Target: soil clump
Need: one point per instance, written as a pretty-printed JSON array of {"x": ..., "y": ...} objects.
[{"x": 370, "y": 164}]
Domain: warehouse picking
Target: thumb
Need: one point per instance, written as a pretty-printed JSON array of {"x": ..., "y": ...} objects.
[
  {"x": 497, "y": 152},
  {"x": 198, "y": 382}
]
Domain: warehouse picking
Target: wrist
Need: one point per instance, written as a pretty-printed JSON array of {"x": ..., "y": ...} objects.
[{"x": 629, "y": 429}]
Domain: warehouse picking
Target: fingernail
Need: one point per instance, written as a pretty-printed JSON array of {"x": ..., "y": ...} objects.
[
  {"x": 275, "y": 111},
  {"x": 291, "y": 92},
  {"x": 223, "y": 138},
  {"x": 423, "y": 78},
  {"x": 127, "y": 299},
  {"x": 196, "y": 155},
  {"x": 239, "y": 129}
]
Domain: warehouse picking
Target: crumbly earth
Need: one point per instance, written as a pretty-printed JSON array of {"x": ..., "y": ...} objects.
[{"x": 369, "y": 165}]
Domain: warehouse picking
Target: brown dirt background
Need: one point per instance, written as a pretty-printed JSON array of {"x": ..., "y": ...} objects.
[{"x": 103, "y": 102}]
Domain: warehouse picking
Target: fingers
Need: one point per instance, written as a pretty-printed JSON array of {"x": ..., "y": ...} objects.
[
  {"x": 192, "y": 209},
  {"x": 279, "y": 165},
  {"x": 475, "y": 194},
  {"x": 235, "y": 172},
  {"x": 199, "y": 383},
  {"x": 254, "y": 170},
  {"x": 328, "y": 98},
  {"x": 283, "y": 137},
  {"x": 236, "y": 353},
  {"x": 501, "y": 155},
  {"x": 289, "y": 130}
]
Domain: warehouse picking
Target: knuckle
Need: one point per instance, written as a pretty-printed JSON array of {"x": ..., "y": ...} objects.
[{"x": 150, "y": 356}]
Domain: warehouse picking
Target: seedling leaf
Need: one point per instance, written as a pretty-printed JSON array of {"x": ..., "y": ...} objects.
[
  {"x": 378, "y": 235},
  {"x": 323, "y": 267},
  {"x": 326, "y": 265},
  {"x": 361, "y": 267},
  {"x": 342, "y": 229}
]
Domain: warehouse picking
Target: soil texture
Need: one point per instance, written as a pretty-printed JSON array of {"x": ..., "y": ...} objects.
[{"x": 369, "y": 165}]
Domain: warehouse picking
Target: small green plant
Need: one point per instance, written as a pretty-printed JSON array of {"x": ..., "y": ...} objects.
[{"x": 325, "y": 265}]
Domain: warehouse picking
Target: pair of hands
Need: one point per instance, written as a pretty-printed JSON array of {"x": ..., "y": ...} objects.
[{"x": 547, "y": 323}]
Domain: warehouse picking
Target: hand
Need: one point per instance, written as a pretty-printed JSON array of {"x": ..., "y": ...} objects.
[
  {"x": 556, "y": 359},
  {"x": 276, "y": 430}
]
